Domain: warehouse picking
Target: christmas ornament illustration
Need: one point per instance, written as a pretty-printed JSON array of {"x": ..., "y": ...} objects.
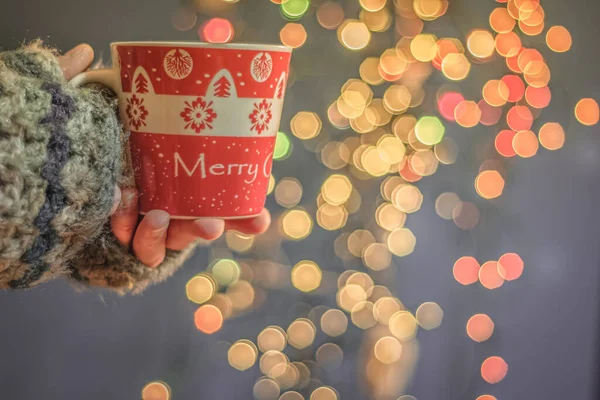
[
  {"x": 178, "y": 64},
  {"x": 199, "y": 115},
  {"x": 136, "y": 111},
  {"x": 141, "y": 82},
  {"x": 261, "y": 116},
  {"x": 261, "y": 67}
]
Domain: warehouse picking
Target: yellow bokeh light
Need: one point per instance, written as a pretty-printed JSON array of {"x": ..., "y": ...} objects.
[
  {"x": 358, "y": 241},
  {"x": 324, "y": 393},
  {"x": 306, "y": 276},
  {"x": 403, "y": 325},
  {"x": 241, "y": 295},
  {"x": 385, "y": 307},
  {"x": 391, "y": 149},
  {"x": 481, "y": 43},
  {"x": 336, "y": 189},
  {"x": 335, "y": 155},
  {"x": 349, "y": 296},
  {"x": 552, "y": 136},
  {"x": 429, "y": 315},
  {"x": 389, "y": 217},
  {"x": 401, "y": 242},
  {"x": 424, "y": 47},
  {"x": 369, "y": 71},
  {"x": 377, "y": 256},
  {"x": 407, "y": 198},
  {"x": 242, "y": 355},
  {"x": 362, "y": 315},
  {"x": 331, "y": 217},
  {"x": 239, "y": 242},
  {"x": 423, "y": 163},
  {"x": 372, "y": 5},
  {"x": 271, "y": 338},
  {"x": 296, "y": 224},
  {"x": 393, "y": 63},
  {"x": 288, "y": 192},
  {"x": 489, "y": 184},
  {"x": 445, "y": 203},
  {"x": 271, "y": 185},
  {"x": 301, "y": 333},
  {"x": 266, "y": 389},
  {"x": 455, "y": 66},
  {"x": 200, "y": 288},
  {"x": 334, "y": 322},
  {"x": 306, "y": 125},
  {"x": 225, "y": 271},
  {"x": 396, "y": 99},
  {"x": 354, "y": 35},
  {"x": 446, "y": 151},
  {"x": 388, "y": 350}
]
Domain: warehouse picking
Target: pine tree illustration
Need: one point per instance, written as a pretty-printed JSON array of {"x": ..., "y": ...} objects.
[
  {"x": 178, "y": 64},
  {"x": 141, "y": 84},
  {"x": 280, "y": 87},
  {"x": 222, "y": 87}
]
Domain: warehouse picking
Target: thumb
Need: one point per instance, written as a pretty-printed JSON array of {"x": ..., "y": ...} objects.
[{"x": 76, "y": 60}]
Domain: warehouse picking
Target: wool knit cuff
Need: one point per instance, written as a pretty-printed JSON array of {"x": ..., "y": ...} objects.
[{"x": 60, "y": 159}]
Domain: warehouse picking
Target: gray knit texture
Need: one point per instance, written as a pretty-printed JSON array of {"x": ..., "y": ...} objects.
[{"x": 60, "y": 158}]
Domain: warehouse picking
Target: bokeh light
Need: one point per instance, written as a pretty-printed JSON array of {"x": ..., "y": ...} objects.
[
  {"x": 354, "y": 35},
  {"x": 156, "y": 391},
  {"x": 489, "y": 276},
  {"x": 465, "y": 215},
  {"x": 293, "y": 35},
  {"x": 266, "y": 389},
  {"x": 403, "y": 325},
  {"x": 467, "y": 114},
  {"x": 208, "y": 319},
  {"x": 271, "y": 338},
  {"x": 494, "y": 369},
  {"x": 480, "y": 43},
  {"x": 218, "y": 30},
  {"x": 525, "y": 144},
  {"x": 466, "y": 270},
  {"x": 283, "y": 147},
  {"x": 455, "y": 66},
  {"x": 480, "y": 327},
  {"x": 296, "y": 224},
  {"x": 301, "y": 333},
  {"x": 429, "y": 130},
  {"x": 504, "y": 143},
  {"x": 551, "y": 136},
  {"x": 501, "y": 21},
  {"x": 388, "y": 350},
  {"x": 334, "y": 323},
  {"x": 330, "y": 15},
  {"x": 587, "y": 112},
  {"x": 294, "y": 9},
  {"x": 329, "y": 356},
  {"x": 489, "y": 184},
  {"x": 306, "y": 125},
  {"x": 288, "y": 192},
  {"x": 306, "y": 276},
  {"x": 200, "y": 288},
  {"x": 510, "y": 266},
  {"x": 225, "y": 271},
  {"x": 558, "y": 39},
  {"x": 429, "y": 315}
]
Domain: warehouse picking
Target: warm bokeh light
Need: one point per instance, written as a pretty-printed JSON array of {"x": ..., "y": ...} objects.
[
  {"x": 424, "y": 47},
  {"x": 504, "y": 143},
  {"x": 200, "y": 288},
  {"x": 586, "y": 112},
  {"x": 467, "y": 114},
  {"x": 296, "y": 224},
  {"x": 510, "y": 266},
  {"x": 329, "y": 356},
  {"x": 225, "y": 271},
  {"x": 306, "y": 125},
  {"x": 377, "y": 256},
  {"x": 242, "y": 355},
  {"x": 271, "y": 338},
  {"x": 429, "y": 315},
  {"x": 306, "y": 276},
  {"x": 466, "y": 270},
  {"x": 507, "y": 44},
  {"x": 538, "y": 97},
  {"x": 388, "y": 350},
  {"x": 447, "y": 103},
  {"x": 455, "y": 66},
  {"x": 354, "y": 35},
  {"x": 445, "y": 203},
  {"x": 480, "y": 43},
  {"x": 496, "y": 92},
  {"x": 480, "y": 327},
  {"x": 293, "y": 35},
  {"x": 385, "y": 307},
  {"x": 288, "y": 192},
  {"x": 494, "y": 369},
  {"x": 465, "y": 215},
  {"x": 501, "y": 21},
  {"x": 301, "y": 333},
  {"x": 489, "y": 184},
  {"x": 336, "y": 189},
  {"x": 551, "y": 136},
  {"x": 218, "y": 30},
  {"x": 558, "y": 39},
  {"x": 403, "y": 325},
  {"x": 334, "y": 323},
  {"x": 519, "y": 118},
  {"x": 330, "y": 15},
  {"x": 525, "y": 144},
  {"x": 489, "y": 276},
  {"x": 266, "y": 389},
  {"x": 156, "y": 391},
  {"x": 407, "y": 198}
]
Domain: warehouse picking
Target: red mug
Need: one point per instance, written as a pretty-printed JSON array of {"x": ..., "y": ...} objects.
[{"x": 203, "y": 120}]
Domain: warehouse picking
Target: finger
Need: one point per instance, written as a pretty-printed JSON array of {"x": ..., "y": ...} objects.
[
  {"x": 76, "y": 60},
  {"x": 251, "y": 226},
  {"x": 116, "y": 200},
  {"x": 150, "y": 237},
  {"x": 124, "y": 220},
  {"x": 182, "y": 233}
]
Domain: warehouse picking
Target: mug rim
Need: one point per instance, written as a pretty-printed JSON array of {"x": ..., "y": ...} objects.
[{"x": 238, "y": 46}]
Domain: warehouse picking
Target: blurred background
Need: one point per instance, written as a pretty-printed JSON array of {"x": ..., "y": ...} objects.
[{"x": 434, "y": 199}]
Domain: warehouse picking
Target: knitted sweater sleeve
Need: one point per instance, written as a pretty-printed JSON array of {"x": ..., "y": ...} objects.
[{"x": 60, "y": 159}]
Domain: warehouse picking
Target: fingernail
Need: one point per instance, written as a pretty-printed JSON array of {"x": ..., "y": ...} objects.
[
  {"x": 116, "y": 200},
  {"x": 128, "y": 198},
  {"x": 213, "y": 227},
  {"x": 158, "y": 221}
]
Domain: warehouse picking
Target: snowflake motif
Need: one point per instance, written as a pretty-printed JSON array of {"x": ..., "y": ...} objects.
[
  {"x": 199, "y": 115},
  {"x": 136, "y": 111},
  {"x": 261, "y": 116}
]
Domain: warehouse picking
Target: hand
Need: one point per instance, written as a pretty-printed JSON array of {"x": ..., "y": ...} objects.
[{"x": 156, "y": 232}]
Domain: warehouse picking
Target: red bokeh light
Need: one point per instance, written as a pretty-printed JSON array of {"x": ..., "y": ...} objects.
[
  {"x": 217, "y": 30},
  {"x": 447, "y": 102}
]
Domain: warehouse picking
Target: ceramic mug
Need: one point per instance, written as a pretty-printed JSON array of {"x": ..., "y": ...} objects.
[{"x": 203, "y": 120}]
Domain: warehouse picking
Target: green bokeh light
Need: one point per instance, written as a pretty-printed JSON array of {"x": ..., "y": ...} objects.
[
  {"x": 429, "y": 130},
  {"x": 293, "y": 10},
  {"x": 283, "y": 147},
  {"x": 226, "y": 272}
]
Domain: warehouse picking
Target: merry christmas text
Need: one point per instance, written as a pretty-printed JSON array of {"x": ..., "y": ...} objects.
[{"x": 251, "y": 171}]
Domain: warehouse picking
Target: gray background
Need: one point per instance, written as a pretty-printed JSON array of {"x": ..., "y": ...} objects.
[{"x": 59, "y": 344}]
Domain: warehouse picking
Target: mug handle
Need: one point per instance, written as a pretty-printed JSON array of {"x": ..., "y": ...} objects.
[{"x": 106, "y": 76}]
